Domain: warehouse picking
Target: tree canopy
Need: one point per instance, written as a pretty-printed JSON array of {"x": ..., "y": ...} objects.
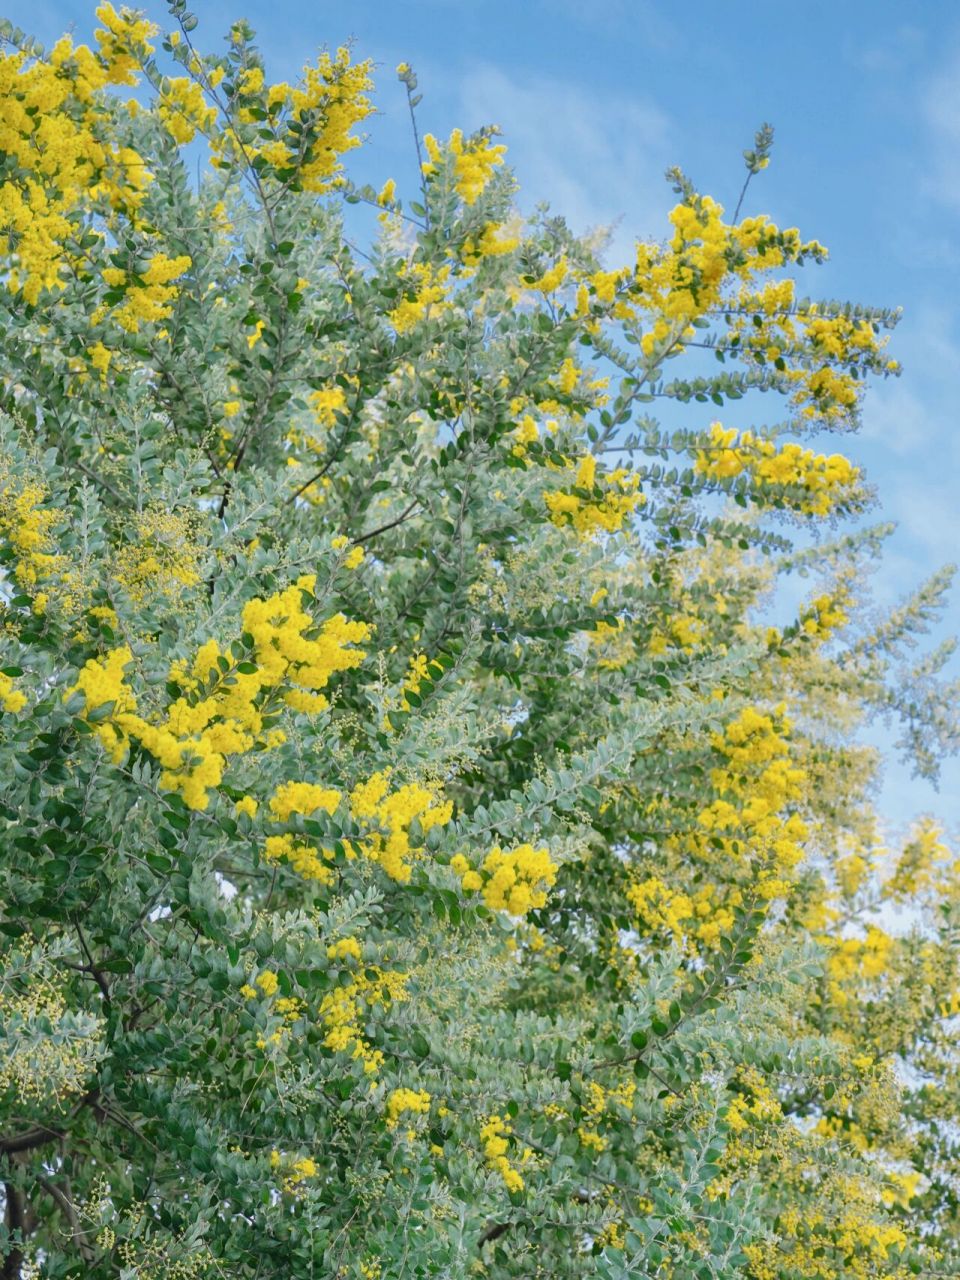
[{"x": 434, "y": 836}]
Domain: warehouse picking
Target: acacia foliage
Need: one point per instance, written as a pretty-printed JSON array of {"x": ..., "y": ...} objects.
[{"x": 421, "y": 853}]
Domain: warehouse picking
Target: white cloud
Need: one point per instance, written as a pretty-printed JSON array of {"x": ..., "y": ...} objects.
[
  {"x": 598, "y": 158},
  {"x": 927, "y": 511},
  {"x": 898, "y": 419},
  {"x": 913, "y": 415},
  {"x": 895, "y": 49},
  {"x": 660, "y": 29}
]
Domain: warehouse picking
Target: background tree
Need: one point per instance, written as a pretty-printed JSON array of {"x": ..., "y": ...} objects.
[{"x": 421, "y": 854}]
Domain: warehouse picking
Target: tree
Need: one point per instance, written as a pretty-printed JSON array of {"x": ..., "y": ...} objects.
[{"x": 421, "y": 853}]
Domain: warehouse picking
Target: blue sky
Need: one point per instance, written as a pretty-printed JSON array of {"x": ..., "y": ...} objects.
[{"x": 595, "y": 100}]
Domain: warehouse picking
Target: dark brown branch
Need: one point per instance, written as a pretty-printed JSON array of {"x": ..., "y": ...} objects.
[
  {"x": 65, "y": 1204},
  {"x": 365, "y": 537},
  {"x": 15, "y": 1223},
  {"x": 92, "y": 969},
  {"x": 42, "y": 1134},
  {"x": 27, "y": 1141},
  {"x": 494, "y": 1232},
  {"x": 327, "y": 465},
  {"x": 99, "y": 480}
]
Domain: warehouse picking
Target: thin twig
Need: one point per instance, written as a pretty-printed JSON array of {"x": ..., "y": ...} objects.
[{"x": 365, "y": 537}]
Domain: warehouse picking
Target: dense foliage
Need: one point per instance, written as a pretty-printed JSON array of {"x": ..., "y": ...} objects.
[{"x": 420, "y": 853}]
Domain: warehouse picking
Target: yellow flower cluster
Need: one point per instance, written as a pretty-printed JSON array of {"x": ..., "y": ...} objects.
[
  {"x": 839, "y": 336},
  {"x": 684, "y": 279},
  {"x": 49, "y": 132},
  {"x": 162, "y": 558},
  {"x": 342, "y": 1009},
  {"x": 768, "y": 327},
  {"x": 832, "y": 393},
  {"x": 516, "y": 880},
  {"x": 194, "y": 739},
  {"x": 755, "y": 787},
  {"x": 345, "y": 948},
  {"x": 587, "y": 513},
  {"x": 474, "y": 161},
  {"x": 923, "y": 860},
  {"x": 13, "y": 700},
  {"x": 614, "y": 645},
  {"x": 101, "y": 681},
  {"x": 553, "y": 277},
  {"x": 416, "y": 674},
  {"x": 354, "y": 556},
  {"x": 900, "y": 1189},
  {"x": 325, "y": 403},
  {"x": 852, "y": 869},
  {"x": 247, "y": 805},
  {"x": 824, "y": 615},
  {"x": 285, "y": 654},
  {"x": 758, "y": 1104},
  {"x": 854, "y": 959},
  {"x": 304, "y": 798},
  {"x": 149, "y": 296},
  {"x": 425, "y": 296},
  {"x": 488, "y": 243},
  {"x": 183, "y": 109},
  {"x": 268, "y": 982},
  {"x": 658, "y": 907},
  {"x": 525, "y": 432},
  {"x": 100, "y": 358},
  {"x": 604, "y": 284},
  {"x": 688, "y": 919},
  {"x": 683, "y": 629},
  {"x": 296, "y": 1171},
  {"x": 593, "y": 1106},
  {"x": 568, "y": 376},
  {"x": 495, "y": 1136},
  {"x": 330, "y": 99},
  {"x": 855, "y": 1244},
  {"x": 303, "y": 859},
  {"x": 388, "y": 817},
  {"x": 403, "y": 1100},
  {"x": 26, "y": 526},
  {"x": 333, "y": 96},
  {"x": 828, "y": 480},
  {"x": 289, "y": 1008},
  {"x": 124, "y": 42},
  {"x": 595, "y": 1102}
]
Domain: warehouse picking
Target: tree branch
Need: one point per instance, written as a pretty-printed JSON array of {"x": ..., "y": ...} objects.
[
  {"x": 27, "y": 1141},
  {"x": 365, "y": 537},
  {"x": 65, "y": 1205},
  {"x": 15, "y": 1223}
]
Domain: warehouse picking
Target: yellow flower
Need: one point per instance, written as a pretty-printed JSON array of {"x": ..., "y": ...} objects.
[
  {"x": 404, "y": 1100},
  {"x": 326, "y": 403},
  {"x": 268, "y": 982},
  {"x": 13, "y": 700},
  {"x": 553, "y": 278},
  {"x": 343, "y": 948},
  {"x": 100, "y": 357}
]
